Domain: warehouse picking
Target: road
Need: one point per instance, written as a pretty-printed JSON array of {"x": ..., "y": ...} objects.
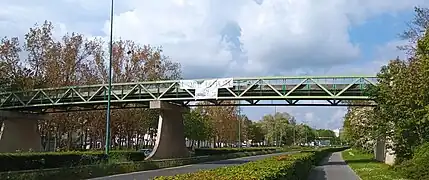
[
  {"x": 333, "y": 168},
  {"x": 144, "y": 175}
]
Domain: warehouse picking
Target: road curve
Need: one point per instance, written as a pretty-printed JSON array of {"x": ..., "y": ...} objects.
[
  {"x": 144, "y": 175},
  {"x": 333, "y": 168}
]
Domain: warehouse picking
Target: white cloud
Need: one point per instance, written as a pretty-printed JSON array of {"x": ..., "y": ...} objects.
[
  {"x": 272, "y": 36},
  {"x": 390, "y": 51},
  {"x": 218, "y": 37}
]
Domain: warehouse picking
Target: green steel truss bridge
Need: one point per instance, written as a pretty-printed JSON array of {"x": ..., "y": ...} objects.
[{"x": 260, "y": 91}]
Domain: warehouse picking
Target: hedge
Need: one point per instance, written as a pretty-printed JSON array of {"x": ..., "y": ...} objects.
[
  {"x": 105, "y": 169},
  {"x": 217, "y": 151},
  {"x": 293, "y": 166},
  {"x": 30, "y": 161},
  {"x": 27, "y": 161},
  {"x": 323, "y": 152},
  {"x": 416, "y": 167}
]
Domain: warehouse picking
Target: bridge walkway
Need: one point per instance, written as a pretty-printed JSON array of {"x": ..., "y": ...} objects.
[{"x": 333, "y": 168}]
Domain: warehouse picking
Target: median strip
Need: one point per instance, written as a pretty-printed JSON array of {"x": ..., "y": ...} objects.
[
  {"x": 111, "y": 168},
  {"x": 286, "y": 166}
]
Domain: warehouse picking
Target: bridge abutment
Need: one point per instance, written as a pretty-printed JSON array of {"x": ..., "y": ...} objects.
[
  {"x": 19, "y": 132},
  {"x": 170, "y": 139}
]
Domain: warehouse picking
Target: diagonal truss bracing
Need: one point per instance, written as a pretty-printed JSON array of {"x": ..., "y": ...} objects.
[{"x": 290, "y": 90}]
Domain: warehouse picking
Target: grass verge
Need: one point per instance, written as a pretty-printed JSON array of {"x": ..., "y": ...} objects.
[{"x": 367, "y": 168}]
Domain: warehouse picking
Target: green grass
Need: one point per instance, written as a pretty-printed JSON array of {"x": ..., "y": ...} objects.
[{"x": 367, "y": 168}]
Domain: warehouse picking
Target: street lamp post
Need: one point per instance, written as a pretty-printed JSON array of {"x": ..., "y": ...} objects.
[
  {"x": 281, "y": 127},
  {"x": 110, "y": 82},
  {"x": 239, "y": 125}
]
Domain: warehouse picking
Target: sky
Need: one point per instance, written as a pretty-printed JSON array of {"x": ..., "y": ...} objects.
[{"x": 238, "y": 38}]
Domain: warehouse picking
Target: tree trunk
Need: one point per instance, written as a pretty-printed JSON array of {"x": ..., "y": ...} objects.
[{"x": 85, "y": 139}]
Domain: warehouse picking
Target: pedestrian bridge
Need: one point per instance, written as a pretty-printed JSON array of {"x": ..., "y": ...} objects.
[
  {"x": 19, "y": 111},
  {"x": 283, "y": 91}
]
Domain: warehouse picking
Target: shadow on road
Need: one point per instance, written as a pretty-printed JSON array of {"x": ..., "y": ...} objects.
[
  {"x": 317, "y": 173},
  {"x": 349, "y": 161},
  {"x": 334, "y": 163},
  {"x": 361, "y": 161}
]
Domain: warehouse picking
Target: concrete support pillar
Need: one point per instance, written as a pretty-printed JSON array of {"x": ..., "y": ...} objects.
[
  {"x": 379, "y": 150},
  {"x": 19, "y": 132},
  {"x": 383, "y": 153},
  {"x": 170, "y": 139}
]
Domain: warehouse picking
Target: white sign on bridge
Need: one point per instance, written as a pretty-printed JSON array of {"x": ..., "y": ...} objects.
[{"x": 207, "y": 89}]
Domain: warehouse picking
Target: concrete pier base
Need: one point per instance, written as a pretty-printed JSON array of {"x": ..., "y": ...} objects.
[
  {"x": 384, "y": 154},
  {"x": 170, "y": 139},
  {"x": 380, "y": 150},
  {"x": 19, "y": 132}
]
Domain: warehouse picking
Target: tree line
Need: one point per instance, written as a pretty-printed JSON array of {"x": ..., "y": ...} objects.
[
  {"x": 40, "y": 60},
  {"x": 402, "y": 112},
  {"x": 279, "y": 129}
]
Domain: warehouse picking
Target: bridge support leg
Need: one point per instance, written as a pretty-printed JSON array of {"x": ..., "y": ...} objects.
[
  {"x": 380, "y": 150},
  {"x": 19, "y": 132},
  {"x": 170, "y": 139}
]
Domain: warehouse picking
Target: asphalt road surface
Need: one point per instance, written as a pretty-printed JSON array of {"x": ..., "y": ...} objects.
[
  {"x": 144, "y": 175},
  {"x": 333, "y": 168}
]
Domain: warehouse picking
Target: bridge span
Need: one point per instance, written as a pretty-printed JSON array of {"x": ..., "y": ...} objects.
[
  {"x": 19, "y": 109},
  {"x": 296, "y": 91}
]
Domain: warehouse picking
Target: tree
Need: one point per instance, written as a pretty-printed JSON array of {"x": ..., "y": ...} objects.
[
  {"x": 255, "y": 132},
  {"x": 269, "y": 127},
  {"x": 224, "y": 120},
  {"x": 245, "y": 125},
  {"x": 358, "y": 128},
  {"x": 416, "y": 29},
  {"x": 304, "y": 134},
  {"x": 197, "y": 126},
  {"x": 13, "y": 76},
  {"x": 325, "y": 133},
  {"x": 276, "y": 127},
  {"x": 402, "y": 101},
  {"x": 76, "y": 60},
  {"x": 402, "y": 111}
]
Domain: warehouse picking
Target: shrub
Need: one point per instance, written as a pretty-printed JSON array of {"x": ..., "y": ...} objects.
[
  {"x": 292, "y": 166},
  {"x": 323, "y": 152},
  {"x": 295, "y": 166},
  {"x": 27, "y": 161},
  {"x": 105, "y": 169},
  {"x": 218, "y": 151},
  {"x": 416, "y": 168}
]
